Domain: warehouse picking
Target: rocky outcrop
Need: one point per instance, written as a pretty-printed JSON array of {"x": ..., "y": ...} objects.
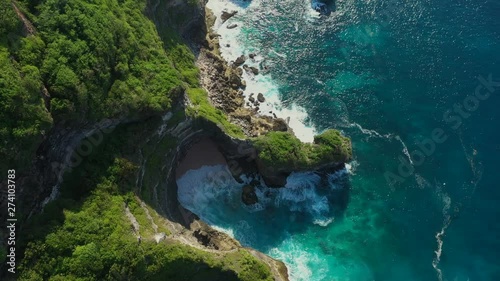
[
  {"x": 248, "y": 195},
  {"x": 223, "y": 82},
  {"x": 260, "y": 97},
  {"x": 227, "y": 15},
  {"x": 251, "y": 69},
  {"x": 281, "y": 153},
  {"x": 239, "y": 61}
]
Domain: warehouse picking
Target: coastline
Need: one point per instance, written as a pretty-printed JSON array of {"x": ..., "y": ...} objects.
[{"x": 224, "y": 84}]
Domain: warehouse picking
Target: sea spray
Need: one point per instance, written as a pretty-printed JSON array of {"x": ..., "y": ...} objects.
[{"x": 272, "y": 224}]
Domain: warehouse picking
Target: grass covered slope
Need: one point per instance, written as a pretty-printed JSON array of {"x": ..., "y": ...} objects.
[
  {"x": 283, "y": 149},
  {"x": 280, "y": 153}
]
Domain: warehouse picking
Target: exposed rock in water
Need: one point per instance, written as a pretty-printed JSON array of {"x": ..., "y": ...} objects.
[
  {"x": 227, "y": 15},
  {"x": 260, "y": 97},
  {"x": 254, "y": 70},
  {"x": 252, "y": 56},
  {"x": 251, "y": 99},
  {"x": 248, "y": 195},
  {"x": 251, "y": 69},
  {"x": 231, "y": 26},
  {"x": 239, "y": 61}
]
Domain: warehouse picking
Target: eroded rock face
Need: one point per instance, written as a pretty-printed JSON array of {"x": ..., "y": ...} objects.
[{"x": 214, "y": 239}]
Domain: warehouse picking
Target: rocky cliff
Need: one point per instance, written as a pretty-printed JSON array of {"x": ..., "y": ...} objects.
[{"x": 156, "y": 143}]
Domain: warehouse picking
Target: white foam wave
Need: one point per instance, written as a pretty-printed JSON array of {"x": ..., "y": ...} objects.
[
  {"x": 198, "y": 189},
  {"x": 300, "y": 195},
  {"x": 352, "y": 167},
  {"x": 227, "y": 230},
  {"x": 213, "y": 194},
  {"x": 324, "y": 222},
  {"x": 201, "y": 190},
  {"x": 297, "y": 259}
]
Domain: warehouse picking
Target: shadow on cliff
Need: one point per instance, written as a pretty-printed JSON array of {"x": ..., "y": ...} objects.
[{"x": 92, "y": 187}]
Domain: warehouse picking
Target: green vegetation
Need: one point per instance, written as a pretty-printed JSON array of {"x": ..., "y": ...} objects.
[
  {"x": 86, "y": 61},
  {"x": 24, "y": 119},
  {"x": 85, "y": 234},
  {"x": 101, "y": 59},
  {"x": 283, "y": 149},
  {"x": 91, "y": 239},
  {"x": 201, "y": 107}
]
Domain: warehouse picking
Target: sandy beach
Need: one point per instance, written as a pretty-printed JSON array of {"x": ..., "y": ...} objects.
[{"x": 203, "y": 153}]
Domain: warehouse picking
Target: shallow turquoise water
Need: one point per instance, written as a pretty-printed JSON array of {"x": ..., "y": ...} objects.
[{"x": 385, "y": 77}]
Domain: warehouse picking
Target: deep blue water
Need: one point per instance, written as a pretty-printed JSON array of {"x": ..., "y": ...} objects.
[{"x": 384, "y": 73}]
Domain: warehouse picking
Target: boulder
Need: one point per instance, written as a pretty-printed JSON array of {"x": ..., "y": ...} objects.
[
  {"x": 227, "y": 15},
  {"x": 248, "y": 195},
  {"x": 254, "y": 70},
  {"x": 239, "y": 61},
  {"x": 280, "y": 124},
  {"x": 251, "y": 69},
  {"x": 260, "y": 97}
]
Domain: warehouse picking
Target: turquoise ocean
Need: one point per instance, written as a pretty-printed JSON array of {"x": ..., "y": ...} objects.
[{"x": 416, "y": 86}]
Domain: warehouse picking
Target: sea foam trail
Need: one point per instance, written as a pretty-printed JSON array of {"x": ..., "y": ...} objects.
[
  {"x": 373, "y": 133},
  {"x": 405, "y": 149},
  {"x": 439, "y": 235},
  {"x": 232, "y": 46}
]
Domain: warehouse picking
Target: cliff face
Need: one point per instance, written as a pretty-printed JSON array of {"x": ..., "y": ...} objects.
[{"x": 156, "y": 142}]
